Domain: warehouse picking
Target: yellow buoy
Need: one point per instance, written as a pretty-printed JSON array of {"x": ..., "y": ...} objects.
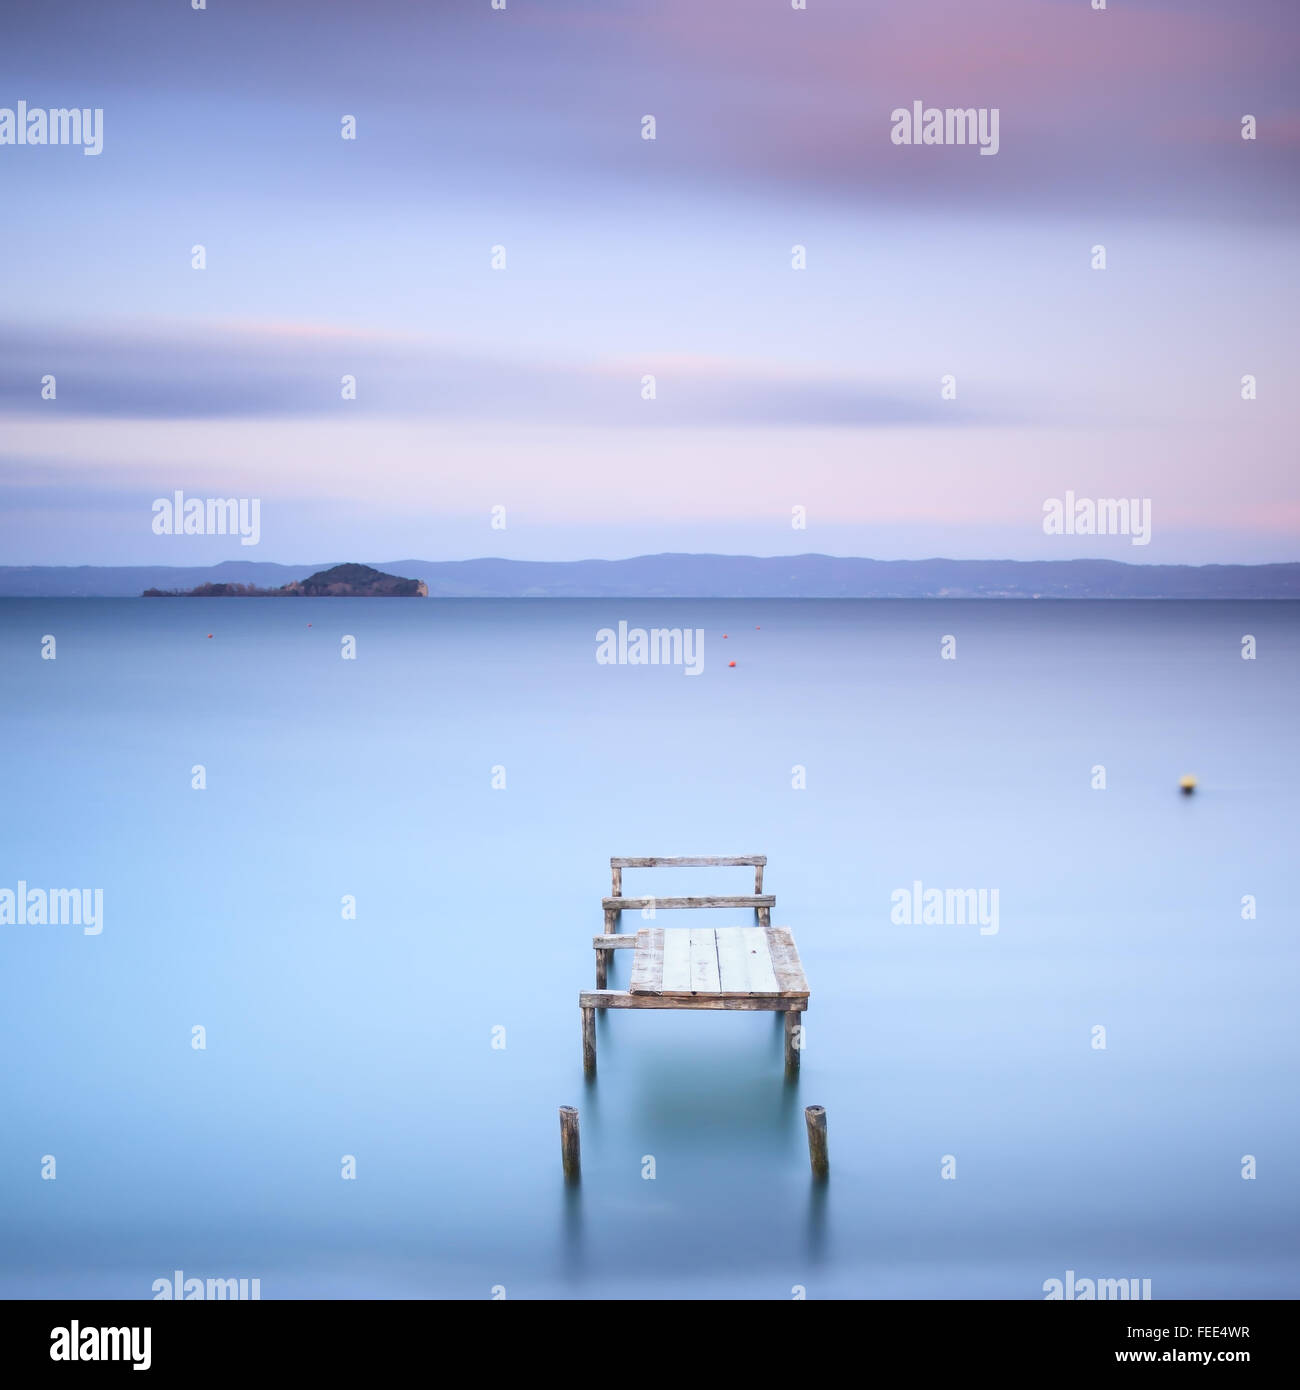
[{"x": 1187, "y": 785}]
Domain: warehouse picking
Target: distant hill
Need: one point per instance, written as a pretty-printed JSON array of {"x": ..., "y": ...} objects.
[
  {"x": 357, "y": 581},
  {"x": 342, "y": 581},
  {"x": 706, "y": 576}
]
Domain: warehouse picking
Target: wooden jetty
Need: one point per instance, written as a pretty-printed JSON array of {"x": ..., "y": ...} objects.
[
  {"x": 616, "y": 903},
  {"x": 748, "y": 968},
  {"x": 703, "y": 968}
]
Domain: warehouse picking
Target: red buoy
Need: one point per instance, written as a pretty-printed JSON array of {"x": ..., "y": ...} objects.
[{"x": 731, "y": 663}]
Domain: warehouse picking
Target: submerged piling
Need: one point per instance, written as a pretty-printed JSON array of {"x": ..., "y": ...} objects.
[
  {"x": 589, "y": 1041},
  {"x": 815, "y": 1115},
  {"x": 570, "y": 1144},
  {"x": 793, "y": 1039}
]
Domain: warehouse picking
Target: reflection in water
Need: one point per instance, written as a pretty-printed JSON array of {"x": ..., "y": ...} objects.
[
  {"x": 571, "y": 1231},
  {"x": 590, "y": 1108},
  {"x": 698, "y": 1102},
  {"x": 818, "y": 1203}
]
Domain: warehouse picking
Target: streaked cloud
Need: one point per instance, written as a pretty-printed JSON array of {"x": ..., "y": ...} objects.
[{"x": 286, "y": 369}]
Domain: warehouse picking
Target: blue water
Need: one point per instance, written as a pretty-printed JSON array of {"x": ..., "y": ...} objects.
[{"x": 475, "y": 910}]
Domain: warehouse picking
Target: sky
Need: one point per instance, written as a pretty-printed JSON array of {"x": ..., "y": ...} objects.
[{"x": 522, "y": 388}]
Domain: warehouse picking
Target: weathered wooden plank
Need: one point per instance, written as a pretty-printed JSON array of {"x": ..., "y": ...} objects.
[
  {"x": 758, "y": 949},
  {"x": 745, "y": 961},
  {"x": 704, "y": 961},
  {"x": 688, "y": 861},
  {"x": 785, "y": 962},
  {"x": 648, "y": 963},
  {"x": 621, "y": 942},
  {"x": 623, "y": 999},
  {"x": 676, "y": 975},
  {"x": 615, "y": 879},
  {"x": 733, "y": 961},
  {"x": 757, "y": 900}
]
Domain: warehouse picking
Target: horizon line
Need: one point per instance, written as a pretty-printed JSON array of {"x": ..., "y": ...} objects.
[{"x": 681, "y": 554}]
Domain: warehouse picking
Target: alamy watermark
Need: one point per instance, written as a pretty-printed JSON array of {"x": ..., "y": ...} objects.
[
  {"x": 1099, "y": 516},
  {"x": 179, "y": 515},
  {"x": 658, "y": 646},
  {"x": 951, "y": 125},
  {"x": 178, "y": 1287},
  {"x": 919, "y": 906},
  {"x": 1083, "y": 1289},
  {"x": 53, "y": 907},
  {"x": 37, "y": 125},
  {"x": 76, "y": 1343}
]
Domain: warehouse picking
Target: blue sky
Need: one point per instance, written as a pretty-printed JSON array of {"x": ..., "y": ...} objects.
[{"x": 775, "y": 388}]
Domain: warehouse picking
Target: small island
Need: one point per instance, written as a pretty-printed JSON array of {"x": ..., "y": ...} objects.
[{"x": 343, "y": 581}]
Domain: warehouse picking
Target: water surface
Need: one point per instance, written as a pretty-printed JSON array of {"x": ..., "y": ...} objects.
[{"x": 475, "y": 909}]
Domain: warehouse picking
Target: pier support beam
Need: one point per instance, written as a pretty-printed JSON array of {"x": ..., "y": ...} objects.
[
  {"x": 793, "y": 1039},
  {"x": 602, "y": 968},
  {"x": 818, "y": 1155},
  {"x": 570, "y": 1143},
  {"x": 589, "y": 1041}
]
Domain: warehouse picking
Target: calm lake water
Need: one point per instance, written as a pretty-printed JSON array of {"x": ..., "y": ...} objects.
[{"x": 475, "y": 909}]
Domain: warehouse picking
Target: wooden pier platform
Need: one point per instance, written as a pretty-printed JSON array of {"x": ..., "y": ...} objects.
[{"x": 703, "y": 968}]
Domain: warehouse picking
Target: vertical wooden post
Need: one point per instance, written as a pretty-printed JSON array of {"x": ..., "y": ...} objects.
[
  {"x": 602, "y": 968},
  {"x": 570, "y": 1144},
  {"x": 764, "y": 916},
  {"x": 818, "y": 1156},
  {"x": 589, "y": 1041},
  {"x": 616, "y": 881},
  {"x": 793, "y": 1038},
  {"x": 758, "y": 879},
  {"x": 612, "y": 914}
]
